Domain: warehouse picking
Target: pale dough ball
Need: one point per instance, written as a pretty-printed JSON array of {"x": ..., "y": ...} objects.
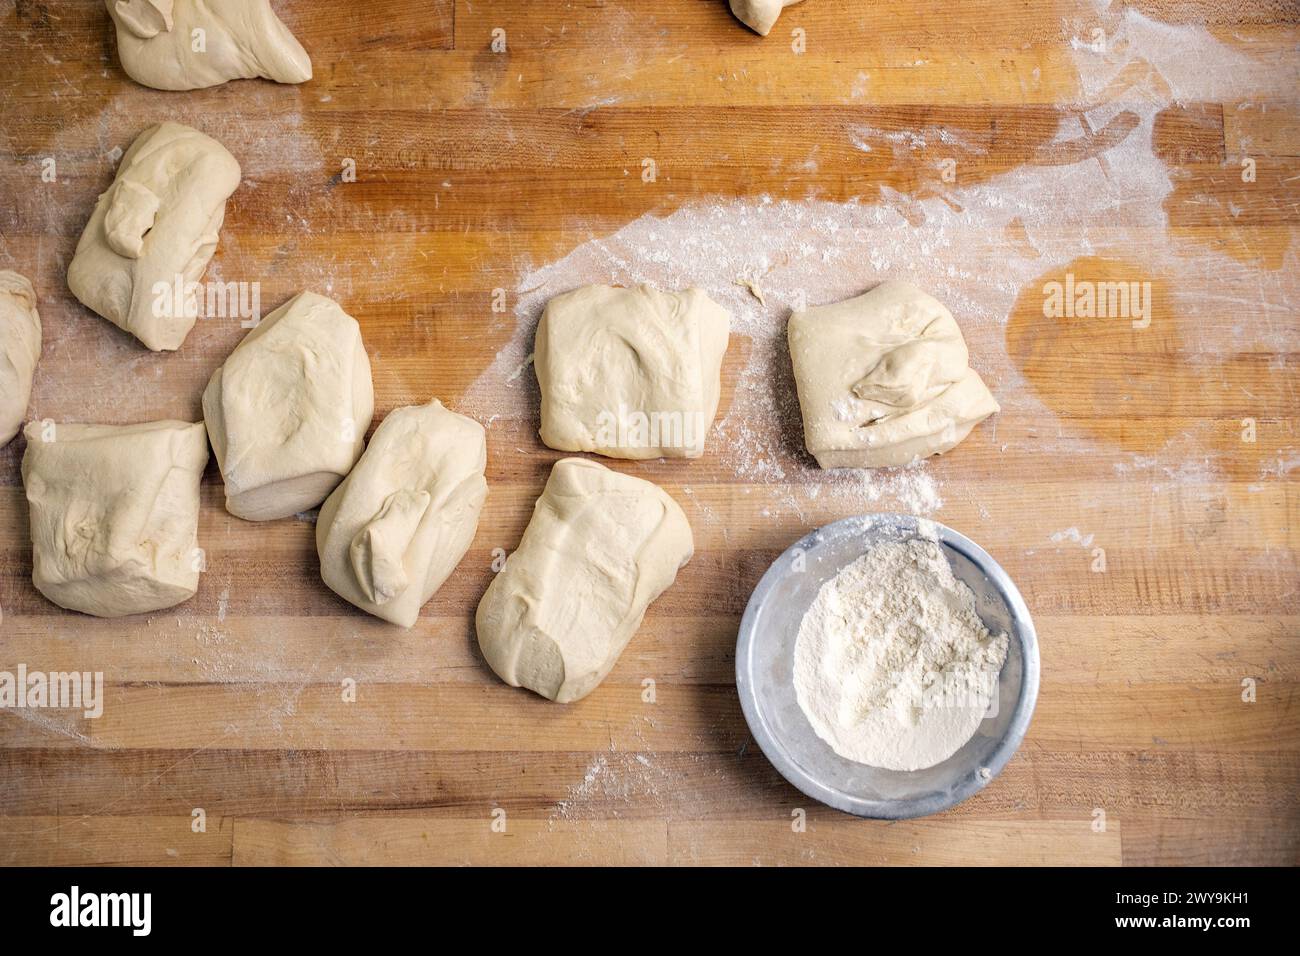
[
  {"x": 760, "y": 15},
  {"x": 630, "y": 373},
  {"x": 115, "y": 514},
  {"x": 288, "y": 412},
  {"x": 160, "y": 219},
  {"x": 401, "y": 521},
  {"x": 883, "y": 379},
  {"x": 20, "y": 350},
  {"x": 243, "y": 39},
  {"x": 599, "y": 548}
]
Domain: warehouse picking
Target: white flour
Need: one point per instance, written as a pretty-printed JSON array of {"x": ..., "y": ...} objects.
[{"x": 893, "y": 667}]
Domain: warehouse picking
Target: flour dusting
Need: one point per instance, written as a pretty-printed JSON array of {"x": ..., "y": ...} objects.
[{"x": 977, "y": 248}]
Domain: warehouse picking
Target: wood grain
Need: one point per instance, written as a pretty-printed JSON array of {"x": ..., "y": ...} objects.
[{"x": 476, "y": 167}]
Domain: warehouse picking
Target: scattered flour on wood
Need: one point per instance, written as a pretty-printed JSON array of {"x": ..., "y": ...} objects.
[
  {"x": 1074, "y": 535},
  {"x": 976, "y": 247}
]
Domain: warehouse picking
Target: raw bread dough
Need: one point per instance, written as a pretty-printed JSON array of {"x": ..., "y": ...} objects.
[
  {"x": 883, "y": 379},
  {"x": 600, "y": 547},
  {"x": 241, "y": 39},
  {"x": 288, "y": 412},
  {"x": 159, "y": 220},
  {"x": 401, "y": 521},
  {"x": 115, "y": 514},
  {"x": 20, "y": 350},
  {"x": 760, "y": 15},
  {"x": 630, "y": 373}
]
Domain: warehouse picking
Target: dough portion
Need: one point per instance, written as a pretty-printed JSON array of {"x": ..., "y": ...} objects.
[
  {"x": 392, "y": 532},
  {"x": 160, "y": 219},
  {"x": 883, "y": 379},
  {"x": 20, "y": 350},
  {"x": 760, "y": 15},
  {"x": 630, "y": 373},
  {"x": 115, "y": 514},
  {"x": 242, "y": 39},
  {"x": 288, "y": 412},
  {"x": 599, "y": 548}
]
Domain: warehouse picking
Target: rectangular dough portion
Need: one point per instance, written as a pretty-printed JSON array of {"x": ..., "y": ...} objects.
[
  {"x": 883, "y": 379},
  {"x": 600, "y": 547},
  {"x": 392, "y": 532},
  {"x": 630, "y": 373},
  {"x": 115, "y": 514},
  {"x": 158, "y": 222}
]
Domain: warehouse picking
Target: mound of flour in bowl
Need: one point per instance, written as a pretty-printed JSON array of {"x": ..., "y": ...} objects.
[{"x": 893, "y": 666}]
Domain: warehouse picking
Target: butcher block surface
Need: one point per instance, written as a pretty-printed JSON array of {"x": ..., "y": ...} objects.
[{"x": 1139, "y": 484}]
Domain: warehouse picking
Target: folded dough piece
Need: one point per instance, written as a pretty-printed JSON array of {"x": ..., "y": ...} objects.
[
  {"x": 630, "y": 373},
  {"x": 20, "y": 350},
  {"x": 599, "y": 548},
  {"x": 760, "y": 15},
  {"x": 401, "y": 521},
  {"x": 158, "y": 221},
  {"x": 115, "y": 514},
  {"x": 288, "y": 412},
  {"x": 240, "y": 39},
  {"x": 883, "y": 379}
]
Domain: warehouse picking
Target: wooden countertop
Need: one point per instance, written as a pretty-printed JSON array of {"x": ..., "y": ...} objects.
[{"x": 996, "y": 145}]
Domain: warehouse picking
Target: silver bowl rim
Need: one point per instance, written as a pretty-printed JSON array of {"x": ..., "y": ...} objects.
[{"x": 932, "y": 803}]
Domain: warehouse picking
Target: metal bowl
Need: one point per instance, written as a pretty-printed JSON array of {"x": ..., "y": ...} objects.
[{"x": 765, "y": 674}]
